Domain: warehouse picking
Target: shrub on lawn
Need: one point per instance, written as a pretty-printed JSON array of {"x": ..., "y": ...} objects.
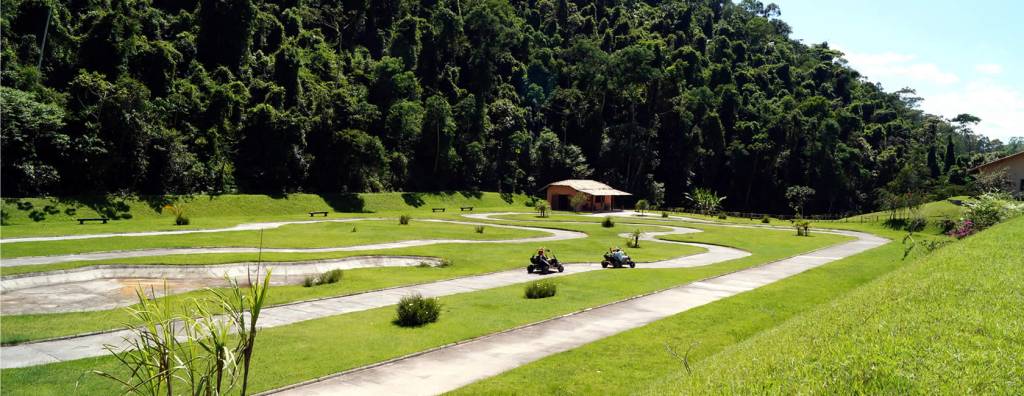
[
  {"x": 479, "y": 229},
  {"x": 803, "y": 228},
  {"x": 722, "y": 216},
  {"x": 332, "y": 276},
  {"x": 415, "y": 310},
  {"x": 917, "y": 224},
  {"x": 404, "y": 219},
  {"x": 608, "y": 222},
  {"x": 542, "y": 208},
  {"x": 765, "y": 219},
  {"x": 540, "y": 289},
  {"x": 664, "y": 215},
  {"x": 634, "y": 239},
  {"x": 353, "y": 228},
  {"x": 179, "y": 214}
]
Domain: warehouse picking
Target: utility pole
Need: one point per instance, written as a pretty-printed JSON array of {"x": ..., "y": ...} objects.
[{"x": 46, "y": 30}]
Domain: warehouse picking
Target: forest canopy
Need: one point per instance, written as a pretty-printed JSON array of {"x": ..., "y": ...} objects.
[{"x": 263, "y": 96}]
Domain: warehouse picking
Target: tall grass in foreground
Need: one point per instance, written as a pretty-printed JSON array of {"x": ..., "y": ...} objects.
[{"x": 190, "y": 347}]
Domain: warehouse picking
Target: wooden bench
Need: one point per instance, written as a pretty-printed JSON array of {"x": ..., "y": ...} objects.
[
  {"x": 103, "y": 219},
  {"x": 324, "y": 213},
  {"x": 465, "y": 208},
  {"x": 438, "y": 209}
]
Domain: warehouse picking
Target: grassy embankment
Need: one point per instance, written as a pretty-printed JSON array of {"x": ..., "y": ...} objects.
[
  {"x": 290, "y": 354},
  {"x": 870, "y": 323}
]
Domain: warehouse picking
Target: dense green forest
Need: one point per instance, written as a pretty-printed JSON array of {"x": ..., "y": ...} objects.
[{"x": 278, "y": 96}]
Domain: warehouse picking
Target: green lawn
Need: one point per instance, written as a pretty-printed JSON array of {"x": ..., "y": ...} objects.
[
  {"x": 293, "y": 353},
  {"x": 45, "y": 216},
  {"x": 950, "y": 323},
  {"x": 468, "y": 260},
  {"x": 871, "y": 323},
  {"x": 315, "y": 235}
]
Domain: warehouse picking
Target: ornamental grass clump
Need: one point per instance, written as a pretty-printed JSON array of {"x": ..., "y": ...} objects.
[
  {"x": 540, "y": 289},
  {"x": 404, "y": 219},
  {"x": 608, "y": 222},
  {"x": 479, "y": 229},
  {"x": 332, "y": 276},
  {"x": 415, "y": 310}
]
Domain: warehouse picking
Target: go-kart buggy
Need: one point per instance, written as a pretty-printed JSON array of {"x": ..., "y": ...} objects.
[
  {"x": 542, "y": 264},
  {"x": 611, "y": 259}
]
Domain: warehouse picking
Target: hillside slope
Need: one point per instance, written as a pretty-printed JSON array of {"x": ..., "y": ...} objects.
[{"x": 951, "y": 323}]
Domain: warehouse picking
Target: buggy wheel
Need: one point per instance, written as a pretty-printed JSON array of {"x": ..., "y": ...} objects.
[
  {"x": 604, "y": 264},
  {"x": 561, "y": 268},
  {"x": 529, "y": 269},
  {"x": 632, "y": 264}
]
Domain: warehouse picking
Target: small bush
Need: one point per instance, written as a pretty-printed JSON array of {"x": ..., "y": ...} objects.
[
  {"x": 608, "y": 222},
  {"x": 722, "y": 216},
  {"x": 479, "y": 229},
  {"x": 803, "y": 228},
  {"x": 353, "y": 228},
  {"x": 765, "y": 219},
  {"x": 445, "y": 263},
  {"x": 415, "y": 310},
  {"x": 542, "y": 208},
  {"x": 404, "y": 219},
  {"x": 332, "y": 276},
  {"x": 181, "y": 220},
  {"x": 916, "y": 224},
  {"x": 634, "y": 239},
  {"x": 947, "y": 225},
  {"x": 540, "y": 289},
  {"x": 664, "y": 215}
]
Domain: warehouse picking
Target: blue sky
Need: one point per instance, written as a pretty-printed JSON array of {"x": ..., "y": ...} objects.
[{"x": 960, "y": 56}]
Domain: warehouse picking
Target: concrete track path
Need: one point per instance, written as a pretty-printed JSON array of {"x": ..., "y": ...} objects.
[
  {"x": 450, "y": 368},
  {"x": 91, "y": 345}
]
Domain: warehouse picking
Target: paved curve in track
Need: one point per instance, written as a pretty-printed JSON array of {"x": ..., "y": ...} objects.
[
  {"x": 101, "y": 287},
  {"x": 554, "y": 235},
  {"x": 91, "y": 345},
  {"x": 448, "y": 368}
]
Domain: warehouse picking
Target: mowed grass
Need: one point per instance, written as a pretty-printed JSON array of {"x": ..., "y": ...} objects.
[
  {"x": 834, "y": 330},
  {"x": 306, "y": 350},
  {"x": 467, "y": 259},
  {"x": 312, "y": 235},
  {"x": 57, "y": 216},
  {"x": 951, "y": 323}
]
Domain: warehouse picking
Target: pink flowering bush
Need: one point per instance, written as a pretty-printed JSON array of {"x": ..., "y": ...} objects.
[{"x": 962, "y": 229}]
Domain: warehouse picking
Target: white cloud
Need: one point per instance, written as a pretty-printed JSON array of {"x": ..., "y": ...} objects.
[
  {"x": 1000, "y": 108},
  {"x": 889, "y": 66},
  {"x": 989, "y": 68}
]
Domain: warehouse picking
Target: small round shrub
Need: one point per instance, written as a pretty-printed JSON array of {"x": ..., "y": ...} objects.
[
  {"x": 181, "y": 220},
  {"x": 917, "y": 224},
  {"x": 664, "y": 215},
  {"x": 479, "y": 229},
  {"x": 722, "y": 216},
  {"x": 404, "y": 219},
  {"x": 540, "y": 289},
  {"x": 766, "y": 219},
  {"x": 608, "y": 222},
  {"x": 415, "y": 310}
]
